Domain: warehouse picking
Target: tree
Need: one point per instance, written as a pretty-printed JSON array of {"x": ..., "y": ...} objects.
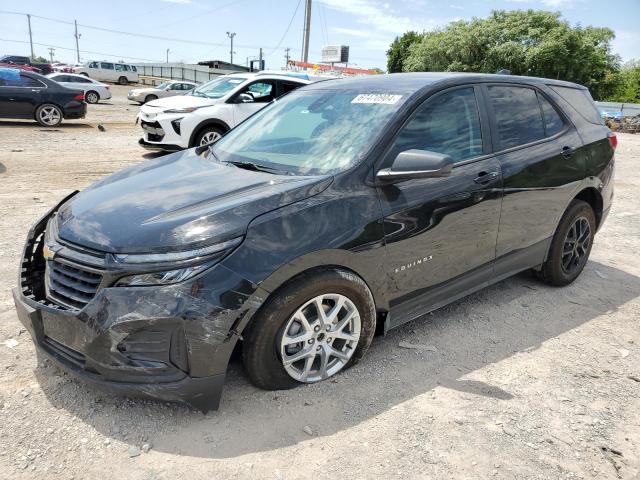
[
  {"x": 627, "y": 83},
  {"x": 399, "y": 50},
  {"x": 530, "y": 42}
]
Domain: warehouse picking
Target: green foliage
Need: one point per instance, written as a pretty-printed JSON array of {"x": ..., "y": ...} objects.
[
  {"x": 530, "y": 42},
  {"x": 627, "y": 84},
  {"x": 399, "y": 50},
  {"x": 40, "y": 59}
]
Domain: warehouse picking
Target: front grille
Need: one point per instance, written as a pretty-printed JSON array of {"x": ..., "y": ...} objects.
[
  {"x": 71, "y": 285},
  {"x": 154, "y": 130}
]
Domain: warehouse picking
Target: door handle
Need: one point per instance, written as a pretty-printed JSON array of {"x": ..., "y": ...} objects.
[
  {"x": 485, "y": 177},
  {"x": 568, "y": 151}
]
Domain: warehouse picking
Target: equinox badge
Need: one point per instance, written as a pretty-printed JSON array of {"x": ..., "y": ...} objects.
[{"x": 415, "y": 263}]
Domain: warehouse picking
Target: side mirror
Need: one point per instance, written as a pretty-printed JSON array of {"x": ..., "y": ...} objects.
[
  {"x": 417, "y": 164},
  {"x": 244, "y": 98}
]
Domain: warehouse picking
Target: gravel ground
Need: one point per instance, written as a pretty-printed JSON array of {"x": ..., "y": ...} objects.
[{"x": 520, "y": 380}]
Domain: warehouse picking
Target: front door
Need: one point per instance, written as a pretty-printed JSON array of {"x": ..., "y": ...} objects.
[
  {"x": 441, "y": 232},
  {"x": 20, "y": 95},
  {"x": 260, "y": 93}
]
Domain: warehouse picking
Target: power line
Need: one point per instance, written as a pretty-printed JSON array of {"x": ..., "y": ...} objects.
[
  {"x": 132, "y": 34},
  {"x": 73, "y": 50},
  {"x": 286, "y": 31}
]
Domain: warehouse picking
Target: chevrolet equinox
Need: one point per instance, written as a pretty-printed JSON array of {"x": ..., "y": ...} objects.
[{"x": 345, "y": 208}]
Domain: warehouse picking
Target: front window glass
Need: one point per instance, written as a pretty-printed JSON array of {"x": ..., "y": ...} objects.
[
  {"x": 163, "y": 86},
  {"x": 448, "y": 124},
  {"x": 218, "y": 87},
  {"x": 120, "y": 68},
  {"x": 312, "y": 132}
]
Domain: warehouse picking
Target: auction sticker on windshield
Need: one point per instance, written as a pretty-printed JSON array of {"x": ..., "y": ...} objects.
[{"x": 377, "y": 98}]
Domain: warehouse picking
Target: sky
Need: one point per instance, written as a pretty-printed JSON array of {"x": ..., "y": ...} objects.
[{"x": 196, "y": 30}]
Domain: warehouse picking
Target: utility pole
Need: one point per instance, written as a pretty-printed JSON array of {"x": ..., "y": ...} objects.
[
  {"x": 77, "y": 35},
  {"x": 231, "y": 35},
  {"x": 168, "y": 55},
  {"x": 260, "y": 60},
  {"x": 30, "y": 37},
  {"x": 287, "y": 56},
  {"x": 51, "y": 52},
  {"x": 307, "y": 31}
]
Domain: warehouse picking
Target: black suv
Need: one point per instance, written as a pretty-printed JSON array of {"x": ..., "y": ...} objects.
[{"x": 346, "y": 208}]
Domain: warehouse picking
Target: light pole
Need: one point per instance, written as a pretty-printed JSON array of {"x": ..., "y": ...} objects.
[
  {"x": 51, "y": 52},
  {"x": 168, "y": 55},
  {"x": 231, "y": 35},
  {"x": 77, "y": 37},
  {"x": 306, "y": 31}
]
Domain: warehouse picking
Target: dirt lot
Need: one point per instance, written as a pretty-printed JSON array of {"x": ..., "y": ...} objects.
[{"x": 518, "y": 381}]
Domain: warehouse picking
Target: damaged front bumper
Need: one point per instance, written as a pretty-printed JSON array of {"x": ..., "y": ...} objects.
[{"x": 168, "y": 342}]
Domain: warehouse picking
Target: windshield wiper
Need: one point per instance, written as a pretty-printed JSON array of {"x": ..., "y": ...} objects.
[{"x": 258, "y": 168}]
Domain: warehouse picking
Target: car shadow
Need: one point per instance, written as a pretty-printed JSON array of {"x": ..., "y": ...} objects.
[
  {"x": 487, "y": 327},
  {"x": 2, "y": 168},
  {"x": 64, "y": 125}
]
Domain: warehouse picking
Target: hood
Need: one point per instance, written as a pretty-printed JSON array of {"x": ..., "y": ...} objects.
[
  {"x": 178, "y": 202},
  {"x": 177, "y": 101}
]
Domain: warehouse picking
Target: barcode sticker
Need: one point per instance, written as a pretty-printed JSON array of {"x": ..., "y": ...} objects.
[{"x": 377, "y": 98}]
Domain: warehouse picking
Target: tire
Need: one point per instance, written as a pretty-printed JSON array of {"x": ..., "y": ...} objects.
[
  {"x": 49, "y": 115},
  {"x": 123, "y": 81},
  {"x": 85, "y": 74},
  {"x": 571, "y": 245},
  {"x": 150, "y": 98},
  {"x": 92, "y": 97},
  {"x": 263, "y": 349},
  {"x": 207, "y": 135}
]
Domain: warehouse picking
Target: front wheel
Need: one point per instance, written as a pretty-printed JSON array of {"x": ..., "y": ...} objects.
[
  {"x": 49, "y": 115},
  {"x": 207, "y": 135},
  {"x": 571, "y": 245},
  {"x": 314, "y": 327},
  {"x": 150, "y": 98}
]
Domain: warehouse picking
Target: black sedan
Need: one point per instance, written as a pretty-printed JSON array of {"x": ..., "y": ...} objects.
[{"x": 30, "y": 95}]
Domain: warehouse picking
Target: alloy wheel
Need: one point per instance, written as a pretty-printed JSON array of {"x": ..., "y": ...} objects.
[
  {"x": 209, "y": 137},
  {"x": 576, "y": 245},
  {"x": 50, "y": 115},
  {"x": 320, "y": 338},
  {"x": 92, "y": 97}
]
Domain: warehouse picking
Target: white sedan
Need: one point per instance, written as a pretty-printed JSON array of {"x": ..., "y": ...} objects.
[{"x": 94, "y": 91}]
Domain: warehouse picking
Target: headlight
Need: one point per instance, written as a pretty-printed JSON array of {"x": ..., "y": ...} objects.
[
  {"x": 182, "y": 110},
  {"x": 162, "y": 278},
  {"x": 186, "y": 264}
]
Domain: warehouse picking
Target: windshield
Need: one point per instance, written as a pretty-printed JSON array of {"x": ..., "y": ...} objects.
[
  {"x": 217, "y": 88},
  {"x": 313, "y": 132}
]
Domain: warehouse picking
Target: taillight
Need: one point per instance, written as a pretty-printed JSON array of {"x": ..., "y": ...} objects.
[
  {"x": 79, "y": 97},
  {"x": 613, "y": 140}
]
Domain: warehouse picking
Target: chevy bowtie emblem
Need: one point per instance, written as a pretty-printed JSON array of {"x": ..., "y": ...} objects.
[{"x": 48, "y": 253}]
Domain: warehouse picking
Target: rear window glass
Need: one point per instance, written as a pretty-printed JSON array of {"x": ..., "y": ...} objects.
[
  {"x": 552, "y": 119},
  {"x": 517, "y": 114},
  {"x": 580, "y": 100}
]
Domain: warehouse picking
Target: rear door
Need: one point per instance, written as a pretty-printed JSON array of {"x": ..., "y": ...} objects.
[
  {"x": 19, "y": 97},
  {"x": 542, "y": 164},
  {"x": 441, "y": 232}
]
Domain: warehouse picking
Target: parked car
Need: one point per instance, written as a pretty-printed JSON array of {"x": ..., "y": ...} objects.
[
  {"x": 165, "y": 89},
  {"x": 344, "y": 209},
  {"x": 24, "y": 63},
  {"x": 109, "y": 72},
  {"x": 59, "y": 67},
  {"x": 210, "y": 110},
  {"x": 94, "y": 91},
  {"x": 30, "y": 95}
]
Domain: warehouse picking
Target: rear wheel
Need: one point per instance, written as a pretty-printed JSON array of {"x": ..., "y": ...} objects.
[
  {"x": 571, "y": 245},
  {"x": 313, "y": 328},
  {"x": 123, "y": 81},
  {"x": 150, "y": 98},
  {"x": 207, "y": 135},
  {"x": 85, "y": 74},
  {"x": 49, "y": 115},
  {"x": 92, "y": 97}
]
